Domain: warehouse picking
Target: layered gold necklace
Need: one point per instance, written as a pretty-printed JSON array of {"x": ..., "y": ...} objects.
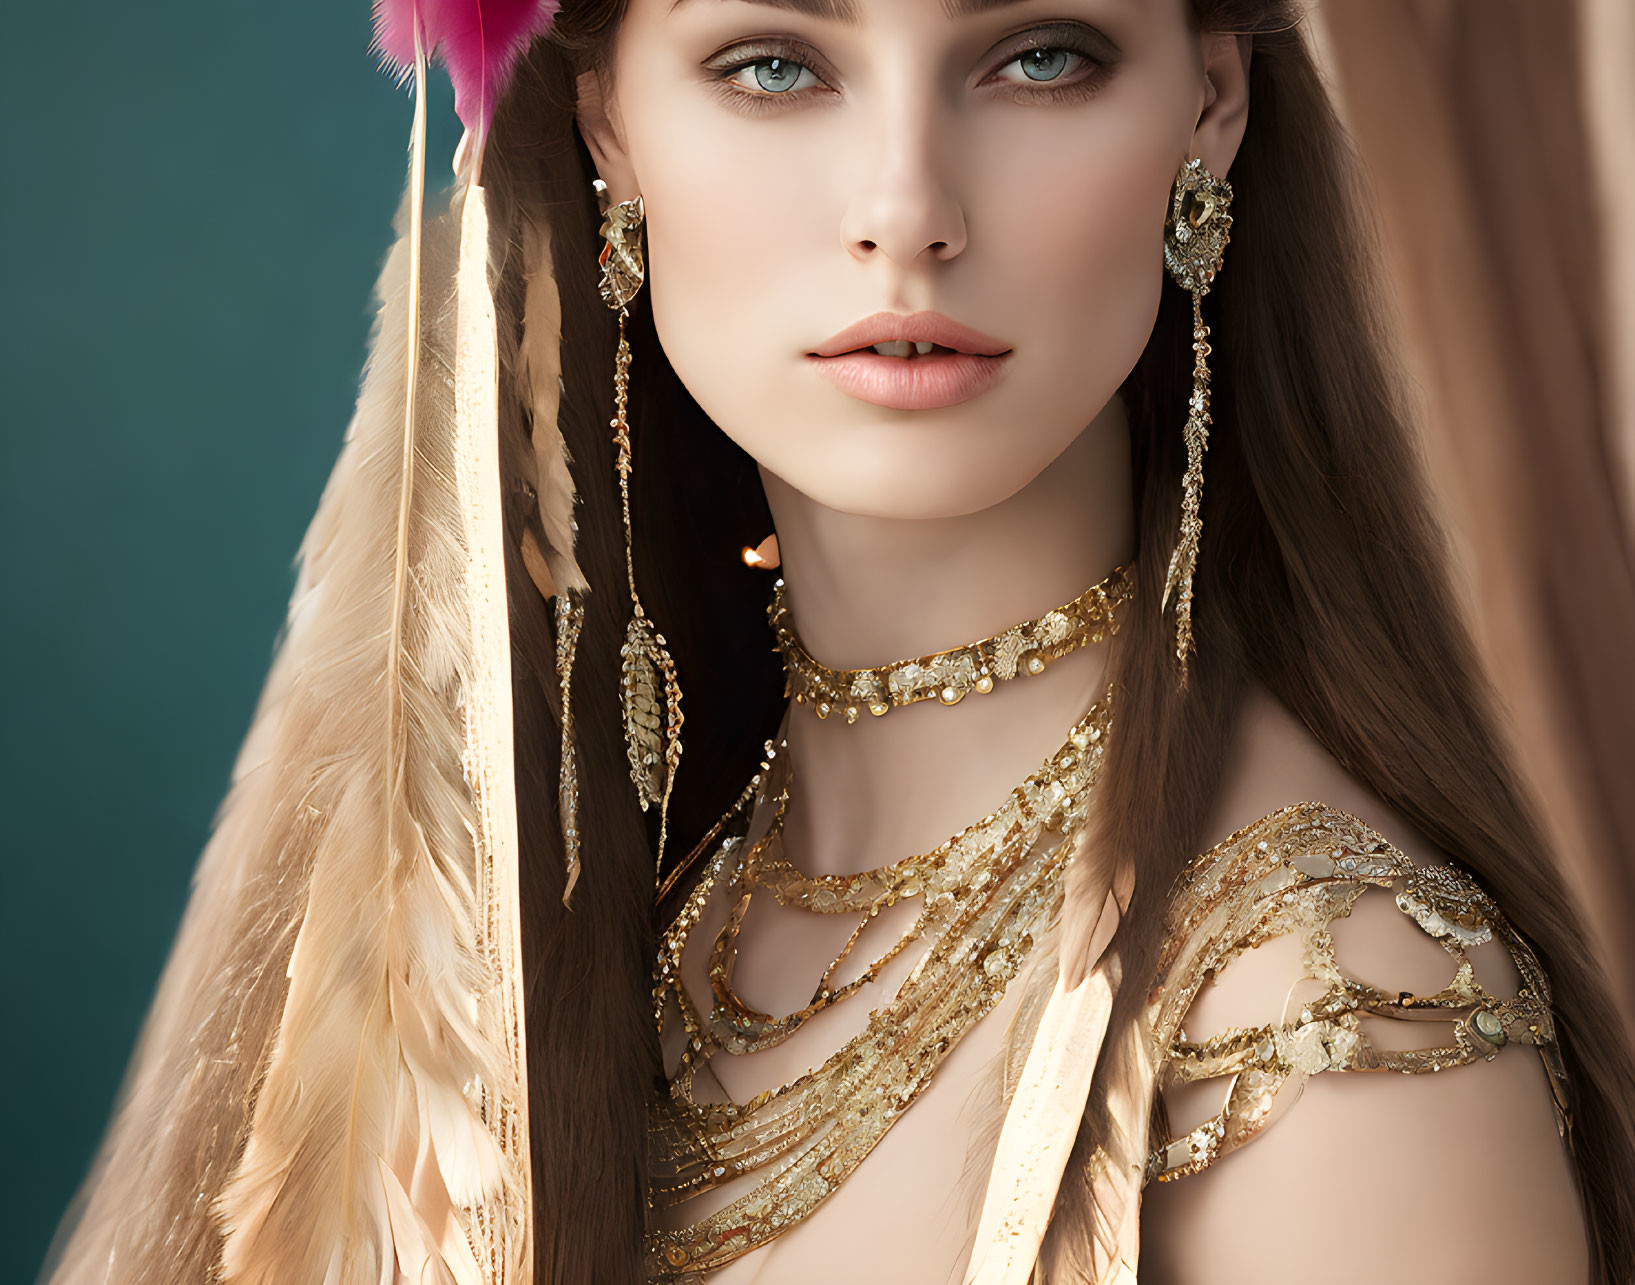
[{"x": 986, "y": 893}]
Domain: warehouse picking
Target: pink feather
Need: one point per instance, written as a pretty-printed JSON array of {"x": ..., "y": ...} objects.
[{"x": 479, "y": 41}]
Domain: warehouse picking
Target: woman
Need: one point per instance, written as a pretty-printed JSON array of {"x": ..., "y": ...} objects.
[{"x": 1025, "y": 979}]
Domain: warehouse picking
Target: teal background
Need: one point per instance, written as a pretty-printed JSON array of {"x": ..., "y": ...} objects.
[{"x": 194, "y": 200}]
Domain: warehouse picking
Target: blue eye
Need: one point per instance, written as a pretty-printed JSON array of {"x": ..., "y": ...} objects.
[
  {"x": 1044, "y": 64},
  {"x": 777, "y": 75},
  {"x": 772, "y": 75}
]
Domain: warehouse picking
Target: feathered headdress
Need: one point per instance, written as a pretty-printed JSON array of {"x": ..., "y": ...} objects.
[{"x": 350, "y": 964}]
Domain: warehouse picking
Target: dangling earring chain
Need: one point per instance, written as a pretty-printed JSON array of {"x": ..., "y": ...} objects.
[
  {"x": 1195, "y": 237},
  {"x": 948, "y": 675},
  {"x": 1184, "y": 560},
  {"x": 646, "y": 663}
]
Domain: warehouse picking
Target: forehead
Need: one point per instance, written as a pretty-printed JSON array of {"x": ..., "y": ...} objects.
[{"x": 850, "y": 12}]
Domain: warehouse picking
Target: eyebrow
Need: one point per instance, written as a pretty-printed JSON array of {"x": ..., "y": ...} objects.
[{"x": 846, "y": 11}]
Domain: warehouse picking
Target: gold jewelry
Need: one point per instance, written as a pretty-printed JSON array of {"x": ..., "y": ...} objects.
[
  {"x": 645, "y": 658},
  {"x": 742, "y": 1029},
  {"x": 1195, "y": 237},
  {"x": 1300, "y": 870},
  {"x": 987, "y": 891},
  {"x": 570, "y": 622},
  {"x": 948, "y": 675}
]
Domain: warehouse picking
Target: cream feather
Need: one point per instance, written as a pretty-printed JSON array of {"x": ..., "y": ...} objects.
[
  {"x": 1047, "y": 1105},
  {"x": 329, "y": 1085},
  {"x": 387, "y": 1141},
  {"x": 1042, "y": 1121},
  {"x": 539, "y": 369},
  {"x": 1117, "y": 1171},
  {"x": 548, "y": 550}
]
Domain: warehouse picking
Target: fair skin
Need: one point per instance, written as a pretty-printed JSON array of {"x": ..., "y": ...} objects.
[{"x": 901, "y": 158}]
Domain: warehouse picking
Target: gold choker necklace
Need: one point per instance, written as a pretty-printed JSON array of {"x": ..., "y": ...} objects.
[{"x": 948, "y": 675}]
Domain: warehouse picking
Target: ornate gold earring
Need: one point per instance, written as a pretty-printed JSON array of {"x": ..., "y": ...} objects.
[
  {"x": 1195, "y": 236},
  {"x": 645, "y": 661}
]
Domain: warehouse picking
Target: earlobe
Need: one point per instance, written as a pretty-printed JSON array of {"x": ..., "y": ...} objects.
[
  {"x": 1219, "y": 131},
  {"x": 602, "y": 139}
]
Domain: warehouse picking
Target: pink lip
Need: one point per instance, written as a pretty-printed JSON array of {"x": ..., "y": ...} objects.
[
  {"x": 916, "y": 327},
  {"x": 911, "y": 383}
]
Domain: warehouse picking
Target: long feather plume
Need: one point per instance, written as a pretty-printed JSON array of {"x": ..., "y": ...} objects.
[
  {"x": 389, "y": 1137},
  {"x": 479, "y": 42},
  {"x": 330, "y": 1084}
]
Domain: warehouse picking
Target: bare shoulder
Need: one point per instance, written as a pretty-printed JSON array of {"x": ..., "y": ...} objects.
[{"x": 1454, "y": 1176}]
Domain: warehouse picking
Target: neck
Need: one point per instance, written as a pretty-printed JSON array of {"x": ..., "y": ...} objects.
[{"x": 867, "y": 591}]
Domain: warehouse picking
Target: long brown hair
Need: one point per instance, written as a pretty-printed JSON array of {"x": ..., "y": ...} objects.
[{"x": 1322, "y": 577}]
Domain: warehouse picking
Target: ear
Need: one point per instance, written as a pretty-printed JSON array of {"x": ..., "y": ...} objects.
[
  {"x": 1225, "y": 112},
  {"x": 597, "y": 119}
]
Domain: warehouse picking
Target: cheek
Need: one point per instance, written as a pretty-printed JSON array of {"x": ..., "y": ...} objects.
[
  {"x": 748, "y": 273},
  {"x": 733, "y": 305},
  {"x": 1076, "y": 233},
  {"x": 741, "y": 240}
]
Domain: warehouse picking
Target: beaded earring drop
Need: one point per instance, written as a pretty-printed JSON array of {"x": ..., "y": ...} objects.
[{"x": 1195, "y": 236}]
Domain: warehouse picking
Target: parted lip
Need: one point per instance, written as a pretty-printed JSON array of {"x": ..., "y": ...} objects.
[{"x": 916, "y": 327}]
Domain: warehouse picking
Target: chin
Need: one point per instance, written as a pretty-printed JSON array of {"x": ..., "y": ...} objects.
[{"x": 891, "y": 471}]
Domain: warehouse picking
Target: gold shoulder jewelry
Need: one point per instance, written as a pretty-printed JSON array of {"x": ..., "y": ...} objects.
[
  {"x": 1195, "y": 237},
  {"x": 1300, "y": 870},
  {"x": 948, "y": 675},
  {"x": 987, "y": 892}
]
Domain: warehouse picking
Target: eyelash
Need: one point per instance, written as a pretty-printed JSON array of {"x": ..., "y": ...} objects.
[{"x": 755, "y": 54}]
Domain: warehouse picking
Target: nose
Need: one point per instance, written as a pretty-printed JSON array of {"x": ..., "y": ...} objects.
[{"x": 904, "y": 206}]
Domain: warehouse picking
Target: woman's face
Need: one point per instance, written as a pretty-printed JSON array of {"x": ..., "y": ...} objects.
[{"x": 810, "y": 164}]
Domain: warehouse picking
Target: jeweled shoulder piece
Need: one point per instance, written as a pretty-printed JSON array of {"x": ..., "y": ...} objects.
[
  {"x": 950, "y": 675},
  {"x": 1297, "y": 871}
]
